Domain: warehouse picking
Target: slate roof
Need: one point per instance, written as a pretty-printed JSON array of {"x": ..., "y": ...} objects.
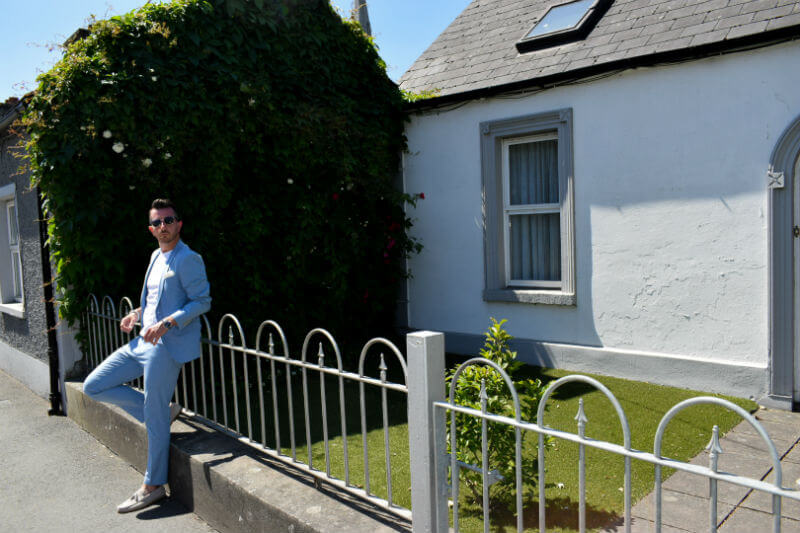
[
  {"x": 476, "y": 55},
  {"x": 11, "y": 109}
]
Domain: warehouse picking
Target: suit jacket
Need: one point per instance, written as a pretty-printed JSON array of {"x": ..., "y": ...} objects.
[{"x": 183, "y": 294}]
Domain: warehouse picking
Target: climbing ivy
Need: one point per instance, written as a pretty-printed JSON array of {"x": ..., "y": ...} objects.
[{"x": 274, "y": 128}]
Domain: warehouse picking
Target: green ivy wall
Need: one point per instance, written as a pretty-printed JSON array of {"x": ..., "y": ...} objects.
[{"x": 274, "y": 128}]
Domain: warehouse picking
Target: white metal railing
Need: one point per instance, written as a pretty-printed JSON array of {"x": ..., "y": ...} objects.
[
  {"x": 434, "y": 473},
  {"x": 710, "y": 472},
  {"x": 206, "y": 384}
]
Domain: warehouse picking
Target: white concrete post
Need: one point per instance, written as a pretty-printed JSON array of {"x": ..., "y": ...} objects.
[{"x": 426, "y": 432}]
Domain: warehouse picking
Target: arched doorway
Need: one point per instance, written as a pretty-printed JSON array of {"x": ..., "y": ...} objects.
[{"x": 784, "y": 269}]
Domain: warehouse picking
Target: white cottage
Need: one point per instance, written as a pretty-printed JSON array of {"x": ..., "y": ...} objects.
[{"x": 620, "y": 180}]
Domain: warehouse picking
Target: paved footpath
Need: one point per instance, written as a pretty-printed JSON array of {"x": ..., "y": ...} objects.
[
  {"x": 685, "y": 496},
  {"x": 55, "y": 477}
]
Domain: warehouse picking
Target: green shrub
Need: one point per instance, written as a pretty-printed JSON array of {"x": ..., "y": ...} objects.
[
  {"x": 274, "y": 128},
  {"x": 500, "y": 437}
]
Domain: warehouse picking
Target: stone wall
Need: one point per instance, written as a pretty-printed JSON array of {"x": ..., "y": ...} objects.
[{"x": 28, "y": 334}]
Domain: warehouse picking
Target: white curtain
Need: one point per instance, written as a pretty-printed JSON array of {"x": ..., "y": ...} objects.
[{"x": 535, "y": 238}]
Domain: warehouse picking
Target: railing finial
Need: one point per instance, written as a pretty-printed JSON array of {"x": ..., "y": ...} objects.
[
  {"x": 383, "y": 368},
  {"x": 581, "y": 417},
  {"x": 714, "y": 448}
]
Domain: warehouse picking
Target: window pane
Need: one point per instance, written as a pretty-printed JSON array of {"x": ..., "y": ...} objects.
[
  {"x": 561, "y": 17},
  {"x": 533, "y": 172},
  {"x": 13, "y": 230},
  {"x": 16, "y": 266},
  {"x": 535, "y": 247}
]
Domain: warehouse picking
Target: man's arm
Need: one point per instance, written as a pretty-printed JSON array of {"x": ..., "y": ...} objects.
[{"x": 192, "y": 275}]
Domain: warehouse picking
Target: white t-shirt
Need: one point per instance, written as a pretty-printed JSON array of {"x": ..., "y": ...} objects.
[{"x": 153, "y": 280}]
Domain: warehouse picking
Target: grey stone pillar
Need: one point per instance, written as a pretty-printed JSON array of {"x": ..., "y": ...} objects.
[{"x": 426, "y": 432}]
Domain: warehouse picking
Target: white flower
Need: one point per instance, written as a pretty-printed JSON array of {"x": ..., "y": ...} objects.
[
  {"x": 560, "y": 485},
  {"x": 167, "y": 155},
  {"x": 107, "y": 134},
  {"x": 118, "y": 147},
  {"x": 290, "y": 181},
  {"x": 154, "y": 78},
  {"x": 131, "y": 187},
  {"x": 147, "y": 162},
  {"x": 83, "y": 128},
  {"x": 252, "y": 102}
]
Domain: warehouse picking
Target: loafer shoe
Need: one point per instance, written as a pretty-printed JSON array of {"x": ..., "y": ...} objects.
[
  {"x": 174, "y": 411},
  {"x": 142, "y": 499}
]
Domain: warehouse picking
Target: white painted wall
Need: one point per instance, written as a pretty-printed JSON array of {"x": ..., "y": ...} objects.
[{"x": 671, "y": 209}]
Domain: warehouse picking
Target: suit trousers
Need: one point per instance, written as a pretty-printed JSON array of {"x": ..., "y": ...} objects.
[{"x": 160, "y": 372}]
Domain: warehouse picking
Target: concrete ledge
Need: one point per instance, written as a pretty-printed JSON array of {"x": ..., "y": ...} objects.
[{"x": 227, "y": 483}]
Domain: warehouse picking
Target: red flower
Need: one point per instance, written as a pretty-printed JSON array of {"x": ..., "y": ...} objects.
[
  {"x": 422, "y": 196},
  {"x": 335, "y": 196}
]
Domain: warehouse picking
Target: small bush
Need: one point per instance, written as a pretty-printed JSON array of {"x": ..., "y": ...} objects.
[{"x": 500, "y": 437}]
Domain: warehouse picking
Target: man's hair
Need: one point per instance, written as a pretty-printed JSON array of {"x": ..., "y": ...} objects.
[{"x": 164, "y": 203}]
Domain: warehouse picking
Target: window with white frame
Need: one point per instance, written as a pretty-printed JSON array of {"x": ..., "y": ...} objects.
[
  {"x": 528, "y": 182},
  {"x": 13, "y": 244},
  {"x": 11, "y": 286}
]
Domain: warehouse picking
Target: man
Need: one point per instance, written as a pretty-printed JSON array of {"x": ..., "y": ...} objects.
[{"x": 175, "y": 294}]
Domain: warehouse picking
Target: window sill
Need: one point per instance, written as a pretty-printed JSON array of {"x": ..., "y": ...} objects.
[
  {"x": 530, "y": 296},
  {"x": 14, "y": 309}
]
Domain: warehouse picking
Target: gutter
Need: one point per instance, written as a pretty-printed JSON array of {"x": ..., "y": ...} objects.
[
  {"x": 12, "y": 115},
  {"x": 56, "y": 392},
  {"x": 741, "y": 44}
]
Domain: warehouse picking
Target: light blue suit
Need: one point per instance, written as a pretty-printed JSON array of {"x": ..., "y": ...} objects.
[{"x": 183, "y": 294}]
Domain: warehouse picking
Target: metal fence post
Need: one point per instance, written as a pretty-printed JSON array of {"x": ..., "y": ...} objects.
[{"x": 426, "y": 432}]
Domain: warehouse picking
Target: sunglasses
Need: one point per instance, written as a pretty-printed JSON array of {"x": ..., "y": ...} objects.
[{"x": 156, "y": 223}]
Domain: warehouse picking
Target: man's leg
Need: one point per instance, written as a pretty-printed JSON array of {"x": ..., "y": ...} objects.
[
  {"x": 105, "y": 383},
  {"x": 160, "y": 376}
]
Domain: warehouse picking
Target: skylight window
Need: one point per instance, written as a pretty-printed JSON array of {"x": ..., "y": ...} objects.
[
  {"x": 561, "y": 17},
  {"x": 563, "y": 23}
]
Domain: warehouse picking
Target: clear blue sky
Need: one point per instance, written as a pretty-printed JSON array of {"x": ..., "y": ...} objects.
[{"x": 403, "y": 29}]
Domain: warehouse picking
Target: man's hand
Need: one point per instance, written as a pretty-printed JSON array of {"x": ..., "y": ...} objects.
[
  {"x": 156, "y": 331},
  {"x": 128, "y": 321}
]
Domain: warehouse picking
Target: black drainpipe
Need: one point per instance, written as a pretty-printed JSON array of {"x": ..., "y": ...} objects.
[{"x": 56, "y": 407}]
